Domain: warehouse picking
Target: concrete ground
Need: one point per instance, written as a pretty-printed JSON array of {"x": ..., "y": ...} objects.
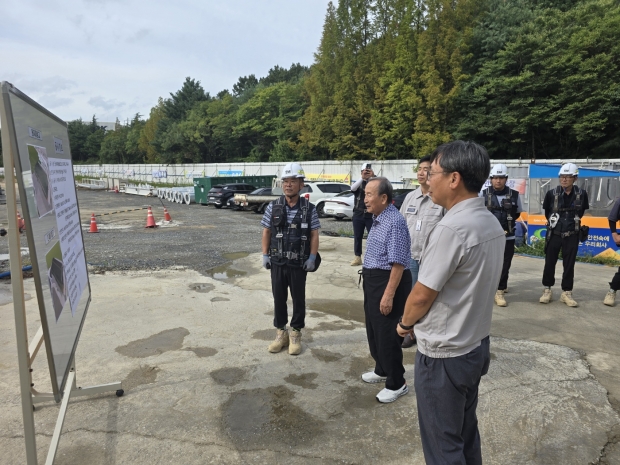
[{"x": 201, "y": 388}]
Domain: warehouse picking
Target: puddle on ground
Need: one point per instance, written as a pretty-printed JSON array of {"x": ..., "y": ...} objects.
[
  {"x": 224, "y": 272},
  {"x": 228, "y": 376},
  {"x": 143, "y": 375},
  {"x": 235, "y": 255},
  {"x": 493, "y": 356},
  {"x": 270, "y": 334},
  {"x": 267, "y": 419},
  {"x": 303, "y": 380},
  {"x": 316, "y": 314},
  {"x": 202, "y": 352},
  {"x": 336, "y": 326},
  {"x": 358, "y": 398},
  {"x": 202, "y": 287},
  {"x": 360, "y": 365},
  {"x": 170, "y": 339},
  {"x": 345, "y": 309},
  {"x": 220, "y": 299},
  {"x": 325, "y": 355}
]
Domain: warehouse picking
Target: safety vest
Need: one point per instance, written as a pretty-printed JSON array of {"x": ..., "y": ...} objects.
[
  {"x": 507, "y": 212},
  {"x": 568, "y": 215},
  {"x": 290, "y": 241}
]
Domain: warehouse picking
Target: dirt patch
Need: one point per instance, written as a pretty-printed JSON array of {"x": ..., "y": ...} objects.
[
  {"x": 360, "y": 365},
  {"x": 266, "y": 419},
  {"x": 336, "y": 326},
  {"x": 170, "y": 339},
  {"x": 304, "y": 380},
  {"x": 228, "y": 376},
  {"x": 202, "y": 352},
  {"x": 143, "y": 375},
  {"x": 409, "y": 356},
  {"x": 326, "y": 356},
  {"x": 202, "y": 287},
  {"x": 220, "y": 299}
]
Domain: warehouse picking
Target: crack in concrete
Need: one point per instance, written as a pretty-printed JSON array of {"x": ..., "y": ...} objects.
[{"x": 613, "y": 437}]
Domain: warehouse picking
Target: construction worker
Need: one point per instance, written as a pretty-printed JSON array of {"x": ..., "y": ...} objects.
[
  {"x": 564, "y": 207},
  {"x": 290, "y": 250},
  {"x": 614, "y": 285},
  {"x": 361, "y": 218},
  {"x": 422, "y": 215},
  {"x": 506, "y": 206}
]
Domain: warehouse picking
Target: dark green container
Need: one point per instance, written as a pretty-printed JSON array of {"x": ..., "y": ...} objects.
[{"x": 203, "y": 185}]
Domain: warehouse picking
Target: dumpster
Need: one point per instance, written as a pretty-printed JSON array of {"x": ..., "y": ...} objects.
[{"x": 203, "y": 185}]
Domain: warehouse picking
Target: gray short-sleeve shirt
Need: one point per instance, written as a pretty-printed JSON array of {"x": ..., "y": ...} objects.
[
  {"x": 462, "y": 260},
  {"x": 422, "y": 215}
]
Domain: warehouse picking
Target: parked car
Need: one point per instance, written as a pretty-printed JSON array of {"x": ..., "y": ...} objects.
[
  {"x": 221, "y": 193},
  {"x": 316, "y": 192},
  {"x": 340, "y": 206},
  {"x": 398, "y": 196}
]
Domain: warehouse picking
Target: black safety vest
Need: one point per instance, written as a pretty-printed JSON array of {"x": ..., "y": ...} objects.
[
  {"x": 359, "y": 207},
  {"x": 569, "y": 214},
  {"x": 507, "y": 212},
  {"x": 290, "y": 242}
]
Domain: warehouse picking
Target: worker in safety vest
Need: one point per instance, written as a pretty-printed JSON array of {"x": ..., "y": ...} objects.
[
  {"x": 290, "y": 250},
  {"x": 564, "y": 207},
  {"x": 504, "y": 203}
]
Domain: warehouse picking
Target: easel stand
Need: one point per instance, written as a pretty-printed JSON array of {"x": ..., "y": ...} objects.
[{"x": 26, "y": 353}]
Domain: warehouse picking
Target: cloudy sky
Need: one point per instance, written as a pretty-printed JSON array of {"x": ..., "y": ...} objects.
[{"x": 114, "y": 58}]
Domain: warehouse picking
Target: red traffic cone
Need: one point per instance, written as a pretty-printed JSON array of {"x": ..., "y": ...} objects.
[
  {"x": 21, "y": 224},
  {"x": 150, "y": 220},
  {"x": 167, "y": 216},
  {"x": 93, "y": 224}
]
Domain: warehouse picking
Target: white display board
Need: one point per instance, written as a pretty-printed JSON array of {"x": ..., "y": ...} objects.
[{"x": 40, "y": 146}]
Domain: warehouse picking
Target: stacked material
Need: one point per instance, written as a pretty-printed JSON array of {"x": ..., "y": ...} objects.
[{"x": 179, "y": 195}]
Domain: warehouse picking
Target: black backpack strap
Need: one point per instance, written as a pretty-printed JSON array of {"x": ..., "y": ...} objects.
[{"x": 305, "y": 233}]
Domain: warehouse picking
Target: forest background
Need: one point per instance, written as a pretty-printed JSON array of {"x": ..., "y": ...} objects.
[{"x": 392, "y": 79}]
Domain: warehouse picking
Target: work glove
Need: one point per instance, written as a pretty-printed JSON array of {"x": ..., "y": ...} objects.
[
  {"x": 267, "y": 262},
  {"x": 309, "y": 264}
]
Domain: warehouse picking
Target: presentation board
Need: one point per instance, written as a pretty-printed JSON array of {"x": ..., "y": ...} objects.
[{"x": 39, "y": 145}]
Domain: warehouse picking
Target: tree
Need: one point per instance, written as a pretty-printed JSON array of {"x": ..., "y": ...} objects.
[
  {"x": 179, "y": 103},
  {"x": 148, "y": 134}
]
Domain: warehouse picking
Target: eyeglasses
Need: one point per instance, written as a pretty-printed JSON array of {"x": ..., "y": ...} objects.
[
  {"x": 566, "y": 176},
  {"x": 431, "y": 173}
]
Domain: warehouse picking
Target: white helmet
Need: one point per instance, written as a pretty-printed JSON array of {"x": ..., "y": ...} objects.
[
  {"x": 292, "y": 170},
  {"x": 499, "y": 171},
  {"x": 570, "y": 169}
]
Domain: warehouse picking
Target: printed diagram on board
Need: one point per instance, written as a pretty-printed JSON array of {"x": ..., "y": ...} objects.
[
  {"x": 57, "y": 279},
  {"x": 40, "y": 179}
]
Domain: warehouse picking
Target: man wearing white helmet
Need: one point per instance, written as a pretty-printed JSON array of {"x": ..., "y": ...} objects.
[
  {"x": 361, "y": 218},
  {"x": 290, "y": 250},
  {"x": 564, "y": 207},
  {"x": 506, "y": 206}
]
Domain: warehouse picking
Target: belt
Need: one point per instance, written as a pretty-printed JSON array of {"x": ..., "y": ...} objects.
[
  {"x": 564, "y": 234},
  {"x": 289, "y": 255}
]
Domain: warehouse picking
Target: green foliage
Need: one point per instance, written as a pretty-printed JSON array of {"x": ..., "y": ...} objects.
[{"x": 392, "y": 79}]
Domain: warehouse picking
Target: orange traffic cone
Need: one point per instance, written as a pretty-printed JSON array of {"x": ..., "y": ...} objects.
[
  {"x": 21, "y": 224},
  {"x": 167, "y": 216},
  {"x": 93, "y": 224},
  {"x": 150, "y": 220}
]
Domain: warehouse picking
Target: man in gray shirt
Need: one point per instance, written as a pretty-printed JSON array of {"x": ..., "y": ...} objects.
[
  {"x": 452, "y": 303},
  {"x": 422, "y": 215}
]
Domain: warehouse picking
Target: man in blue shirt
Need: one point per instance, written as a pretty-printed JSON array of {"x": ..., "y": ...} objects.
[{"x": 387, "y": 283}]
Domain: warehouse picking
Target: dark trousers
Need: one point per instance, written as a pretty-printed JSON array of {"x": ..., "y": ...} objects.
[
  {"x": 509, "y": 252},
  {"x": 284, "y": 277},
  {"x": 568, "y": 246},
  {"x": 447, "y": 396},
  {"x": 359, "y": 223},
  {"x": 383, "y": 340},
  {"x": 615, "y": 281}
]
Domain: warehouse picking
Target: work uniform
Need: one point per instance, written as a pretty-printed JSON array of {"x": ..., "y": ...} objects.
[
  {"x": 361, "y": 218},
  {"x": 505, "y": 205},
  {"x": 289, "y": 249},
  {"x": 614, "y": 217},
  {"x": 565, "y": 235},
  {"x": 422, "y": 215}
]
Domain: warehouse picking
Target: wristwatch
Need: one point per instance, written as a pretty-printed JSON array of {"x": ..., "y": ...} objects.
[{"x": 406, "y": 328}]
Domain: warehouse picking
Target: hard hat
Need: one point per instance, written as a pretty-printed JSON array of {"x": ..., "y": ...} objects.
[
  {"x": 366, "y": 166},
  {"x": 570, "y": 169},
  {"x": 292, "y": 170},
  {"x": 499, "y": 171}
]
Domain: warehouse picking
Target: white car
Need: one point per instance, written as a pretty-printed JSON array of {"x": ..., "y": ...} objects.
[
  {"x": 315, "y": 192},
  {"x": 339, "y": 206}
]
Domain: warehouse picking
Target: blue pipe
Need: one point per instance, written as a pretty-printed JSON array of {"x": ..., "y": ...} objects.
[{"x": 8, "y": 273}]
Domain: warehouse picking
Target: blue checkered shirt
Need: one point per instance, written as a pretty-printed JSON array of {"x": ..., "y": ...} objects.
[{"x": 388, "y": 241}]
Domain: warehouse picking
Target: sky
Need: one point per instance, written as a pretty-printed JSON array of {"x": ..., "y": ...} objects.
[{"x": 115, "y": 58}]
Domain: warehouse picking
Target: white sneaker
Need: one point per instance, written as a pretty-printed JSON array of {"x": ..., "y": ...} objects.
[
  {"x": 386, "y": 395},
  {"x": 372, "y": 377}
]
